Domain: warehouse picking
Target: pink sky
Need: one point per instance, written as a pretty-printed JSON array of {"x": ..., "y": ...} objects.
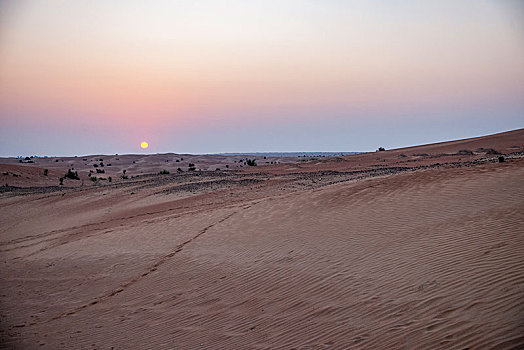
[{"x": 111, "y": 74}]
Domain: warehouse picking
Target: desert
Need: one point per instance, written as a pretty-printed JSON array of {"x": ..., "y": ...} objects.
[{"x": 413, "y": 248}]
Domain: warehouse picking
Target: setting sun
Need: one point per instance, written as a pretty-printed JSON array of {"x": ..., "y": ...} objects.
[{"x": 144, "y": 145}]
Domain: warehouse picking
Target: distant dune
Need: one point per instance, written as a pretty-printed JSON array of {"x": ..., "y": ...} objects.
[{"x": 416, "y": 248}]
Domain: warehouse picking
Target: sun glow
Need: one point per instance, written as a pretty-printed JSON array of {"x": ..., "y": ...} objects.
[{"x": 144, "y": 145}]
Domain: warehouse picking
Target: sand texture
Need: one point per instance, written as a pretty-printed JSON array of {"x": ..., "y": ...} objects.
[{"x": 368, "y": 251}]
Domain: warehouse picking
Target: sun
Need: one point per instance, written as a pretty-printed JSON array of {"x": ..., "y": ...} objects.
[{"x": 144, "y": 145}]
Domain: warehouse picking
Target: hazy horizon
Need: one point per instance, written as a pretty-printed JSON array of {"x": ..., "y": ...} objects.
[{"x": 100, "y": 77}]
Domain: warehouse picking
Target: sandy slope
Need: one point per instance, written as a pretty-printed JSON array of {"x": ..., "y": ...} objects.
[{"x": 427, "y": 258}]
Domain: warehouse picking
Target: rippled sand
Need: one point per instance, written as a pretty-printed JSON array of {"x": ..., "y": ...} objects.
[{"x": 428, "y": 258}]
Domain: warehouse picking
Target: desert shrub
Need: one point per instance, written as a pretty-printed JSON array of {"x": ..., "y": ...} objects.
[
  {"x": 124, "y": 171},
  {"x": 61, "y": 181},
  {"x": 102, "y": 179},
  {"x": 71, "y": 175},
  {"x": 20, "y": 161},
  {"x": 177, "y": 161},
  {"x": 27, "y": 158},
  {"x": 124, "y": 177},
  {"x": 93, "y": 178},
  {"x": 46, "y": 171},
  {"x": 56, "y": 160},
  {"x": 179, "y": 170},
  {"x": 100, "y": 171},
  {"x": 95, "y": 165},
  {"x": 380, "y": 149},
  {"x": 501, "y": 159},
  {"x": 251, "y": 162},
  {"x": 102, "y": 164},
  {"x": 163, "y": 172},
  {"x": 191, "y": 165},
  {"x": 227, "y": 165},
  {"x": 465, "y": 152},
  {"x": 191, "y": 168},
  {"x": 217, "y": 169},
  {"x": 110, "y": 179}
]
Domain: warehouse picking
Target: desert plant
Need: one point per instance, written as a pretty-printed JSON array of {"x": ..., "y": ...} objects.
[
  {"x": 191, "y": 168},
  {"x": 380, "y": 149},
  {"x": 251, "y": 162},
  {"x": 179, "y": 170},
  {"x": 163, "y": 172},
  {"x": 501, "y": 159},
  {"x": 93, "y": 178},
  {"x": 46, "y": 171},
  {"x": 71, "y": 175},
  {"x": 61, "y": 181},
  {"x": 110, "y": 179},
  {"x": 191, "y": 165},
  {"x": 100, "y": 171}
]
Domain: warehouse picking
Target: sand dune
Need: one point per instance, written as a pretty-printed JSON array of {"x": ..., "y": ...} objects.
[{"x": 295, "y": 256}]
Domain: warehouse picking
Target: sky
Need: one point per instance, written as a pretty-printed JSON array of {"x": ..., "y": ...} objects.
[{"x": 99, "y": 77}]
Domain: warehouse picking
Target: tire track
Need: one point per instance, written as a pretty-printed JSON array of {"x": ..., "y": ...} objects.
[{"x": 139, "y": 277}]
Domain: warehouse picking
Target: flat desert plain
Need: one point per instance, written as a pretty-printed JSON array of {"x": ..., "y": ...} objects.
[{"x": 413, "y": 248}]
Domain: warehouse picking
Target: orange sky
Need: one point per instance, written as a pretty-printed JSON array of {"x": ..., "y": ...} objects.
[{"x": 148, "y": 66}]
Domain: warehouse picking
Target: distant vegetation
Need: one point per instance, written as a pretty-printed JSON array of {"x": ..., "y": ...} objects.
[
  {"x": 46, "y": 171},
  {"x": 380, "y": 149},
  {"x": 71, "y": 175},
  {"x": 251, "y": 162},
  {"x": 164, "y": 172}
]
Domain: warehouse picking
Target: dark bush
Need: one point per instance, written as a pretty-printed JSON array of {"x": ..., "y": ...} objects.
[
  {"x": 191, "y": 168},
  {"x": 46, "y": 171},
  {"x": 92, "y": 178},
  {"x": 465, "y": 152},
  {"x": 179, "y": 170},
  {"x": 380, "y": 149},
  {"x": 502, "y": 159},
  {"x": 71, "y": 175},
  {"x": 251, "y": 162},
  {"x": 164, "y": 172},
  {"x": 110, "y": 179}
]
